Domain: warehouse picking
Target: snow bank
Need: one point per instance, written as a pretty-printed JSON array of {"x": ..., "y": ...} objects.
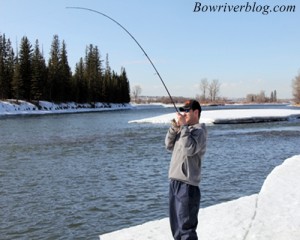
[
  {"x": 233, "y": 116},
  {"x": 277, "y": 215},
  {"x": 13, "y": 107},
  {"x": 273, "y": 213}
]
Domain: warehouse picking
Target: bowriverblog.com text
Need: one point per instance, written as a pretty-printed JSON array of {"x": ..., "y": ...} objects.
[{"x": 248, "y": 7}]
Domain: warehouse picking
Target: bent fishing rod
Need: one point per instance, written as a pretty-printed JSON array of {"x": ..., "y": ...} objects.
[{"x": 92, "y": 10}]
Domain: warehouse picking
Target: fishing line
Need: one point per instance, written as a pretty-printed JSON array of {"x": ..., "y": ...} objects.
[{"x": 92, "y": 10}]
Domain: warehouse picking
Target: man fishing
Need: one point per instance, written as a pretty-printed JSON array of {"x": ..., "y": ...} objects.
[{"x": 186, "y": 138}]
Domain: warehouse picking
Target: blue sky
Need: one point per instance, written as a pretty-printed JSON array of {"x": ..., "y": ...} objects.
[{"x": 246, "y": 51}]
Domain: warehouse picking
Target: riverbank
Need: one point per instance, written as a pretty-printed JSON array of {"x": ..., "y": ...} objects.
[
  {"x": 13, "y": 107},
  {"x": 273, "y": 213}
]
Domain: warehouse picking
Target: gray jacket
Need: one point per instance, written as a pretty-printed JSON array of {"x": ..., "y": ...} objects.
[{"x": 188, "y": 147}]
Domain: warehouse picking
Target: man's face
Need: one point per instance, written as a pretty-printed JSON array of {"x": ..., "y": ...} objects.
[{"x": 191, "y": 117}]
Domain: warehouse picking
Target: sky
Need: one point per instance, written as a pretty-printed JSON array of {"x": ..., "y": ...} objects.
[{"x": 247, "y": 52}]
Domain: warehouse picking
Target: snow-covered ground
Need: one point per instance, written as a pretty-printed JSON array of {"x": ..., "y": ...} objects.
[
  {"x": 232, "y": 116},
  {"x": 12, "y": 107},
  {"x": 272, "y": 214}
]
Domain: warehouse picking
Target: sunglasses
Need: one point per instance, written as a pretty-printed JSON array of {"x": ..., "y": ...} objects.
[{"x": 185, "y": 110}]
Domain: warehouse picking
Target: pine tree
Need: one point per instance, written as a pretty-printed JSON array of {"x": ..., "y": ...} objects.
[
  {"x": 106, "y": 86},
  {"x": 93, "y": 73},
  {"x": 39, "y": 74},
  {"x": 115, "y": 87},
  {"x": 53, "y": 84},
  {"x": 17, "y": 82},
  {"x": 79, "y": 83},
  {"x": 65, "y": 73},
  {"x": 125, "y": 88},
  {"x": 6, "y": 67},
  {"x": 2, "y": 67},
  {"x": 10, "y": 64},
  {"x": 25, "y": 67}
]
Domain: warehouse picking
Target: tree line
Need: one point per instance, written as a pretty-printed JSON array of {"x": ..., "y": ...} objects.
[
  {"x": 26, "y": 76},
  {"x": 262, "y": 98}
]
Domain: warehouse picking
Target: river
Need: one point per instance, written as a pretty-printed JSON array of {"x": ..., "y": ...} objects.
[{"x": 76, "y": 176}]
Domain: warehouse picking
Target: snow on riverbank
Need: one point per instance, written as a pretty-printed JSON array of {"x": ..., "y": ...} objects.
[
  {"x": 233, "y": 116},
  {"x": 12, "y": 107},
  {"x": 273, "y": 213}
]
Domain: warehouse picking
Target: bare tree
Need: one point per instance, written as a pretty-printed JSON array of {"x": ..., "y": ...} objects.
[
  {"x": 296, "y": 88},
  {"x": 203, "y": 88},
  {"x": 136, "y": 92},
  {"x": 261, "y": 97},
  {"x": 214, "y": 89},
  {"x": 251, "y": 97}
]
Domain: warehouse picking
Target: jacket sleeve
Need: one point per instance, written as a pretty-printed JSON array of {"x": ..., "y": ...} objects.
[
  {"x": 170, "y": 139},
  {"x": 193, "y": 141}
]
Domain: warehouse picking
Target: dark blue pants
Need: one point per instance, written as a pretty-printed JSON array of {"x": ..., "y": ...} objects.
[{"x": 184, "y": 203}]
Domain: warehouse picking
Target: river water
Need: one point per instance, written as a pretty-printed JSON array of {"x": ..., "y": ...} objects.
[{"x": 76, "y": 176}]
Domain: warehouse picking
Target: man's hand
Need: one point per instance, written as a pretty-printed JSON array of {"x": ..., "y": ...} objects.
[
  {"x": 175, "y": 125},
  {"x": 181, "y": 119}
]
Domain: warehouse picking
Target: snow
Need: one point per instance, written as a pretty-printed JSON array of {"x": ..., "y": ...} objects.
[
  {"x": 232, "y": 116},
  {"x": 13, "y": 107},
  {"x": 273, "y": 213}
]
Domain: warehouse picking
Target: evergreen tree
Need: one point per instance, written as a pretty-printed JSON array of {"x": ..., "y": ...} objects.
[
  {"x": 53, "y": 71},
  {"x": 10, "y": 64},
  {"x": 6, "y": 67},
  {"x": 65, "y": 73},
  {"x": 106, "y": 86},
  {"x": 39, "y": 74},
  {"x": 2, "y": 67},
  {"x": 79, "y": 84},
  {"x": 114, "y": 87},
  {"x": 125, "y": 88},
  {"x": 93, "y": 73},
  {"x": 25, "y": 67},
  {"x": 17, "y": 83}
]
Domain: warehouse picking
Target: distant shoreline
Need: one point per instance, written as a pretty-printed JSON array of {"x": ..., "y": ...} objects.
[{"x": 12, "y": 107}]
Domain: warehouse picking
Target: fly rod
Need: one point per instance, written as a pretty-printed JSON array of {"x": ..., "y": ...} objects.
[{"x": 92, "y": 10}]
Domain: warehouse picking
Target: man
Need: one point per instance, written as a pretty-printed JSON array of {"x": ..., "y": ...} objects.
[{"x": 186, "y": 138}]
